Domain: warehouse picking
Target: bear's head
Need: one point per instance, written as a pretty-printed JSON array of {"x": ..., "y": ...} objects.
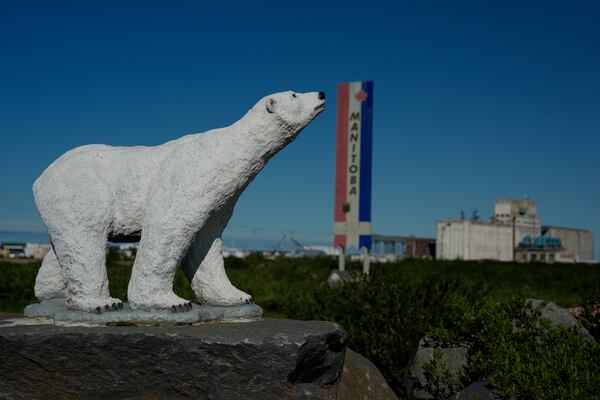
[{"x": 293, "y": 111}]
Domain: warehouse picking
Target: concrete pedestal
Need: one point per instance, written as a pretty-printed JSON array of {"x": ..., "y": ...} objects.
[{"x": 57, "y": 310}]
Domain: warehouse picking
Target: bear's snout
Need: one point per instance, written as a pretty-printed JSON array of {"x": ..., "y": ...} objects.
[{"x": 321, "y": 95}]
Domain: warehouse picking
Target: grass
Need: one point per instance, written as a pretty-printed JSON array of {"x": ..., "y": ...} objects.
[
  {"x": 386, "y": 314},
  {"x": 271, "y": 281},
  {"x": 563, "y": 284}
]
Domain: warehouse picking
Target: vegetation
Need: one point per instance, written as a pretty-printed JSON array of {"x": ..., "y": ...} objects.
[
  {"x": 524, "y": 356},
  {"x": 16, "y": 285},
  {"x": 386, "y": 314},
  {"x": 520, "y": 354}
]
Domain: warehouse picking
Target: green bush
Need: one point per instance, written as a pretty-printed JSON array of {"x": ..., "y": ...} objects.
[
  {"x": 16, "y": 285},
  {"x": 388, "y": 312},
  {"x": 590, "y": 318},
  {"x": 522, "y": 355},
  {"x": 441, "y": 382},
  {"x": 270, "y": 282}
]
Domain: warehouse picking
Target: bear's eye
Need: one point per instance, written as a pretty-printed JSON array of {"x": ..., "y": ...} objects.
[{"x": 293, "y": 94}]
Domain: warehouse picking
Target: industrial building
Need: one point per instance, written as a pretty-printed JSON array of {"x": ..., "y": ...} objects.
[
  {"x": 577, "y": 242},
  {"x": 392, "y": 248},
  {"x": 521, "y": 215},
  {"x": 24, "y": 250},
  {"x": 474, "y": 240},
  {"x": 545, "y": 249},
  {"x": 515, "y": 232}
]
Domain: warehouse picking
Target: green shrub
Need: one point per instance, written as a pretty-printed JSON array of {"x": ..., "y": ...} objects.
[
  {"x": 16, "y": 285},
  {"x": 441, "y": 382},
  {"x": 270, "y": 282},
  {"x": 523, "y": 355},
  {"x": 590, "y": 318},
  {"x": 17, "y": 281},
  {"x": 387, "y": 313}
]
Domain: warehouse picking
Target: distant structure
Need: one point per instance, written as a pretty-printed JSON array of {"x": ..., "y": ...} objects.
[
  {"x": 576, "y": 242},
  {"x": 354, "y": 137},
  {"x": 303, "y": 250},
  {"x": 237, "y": 253},
  {"x": 515, "y": 233},
  {"x": 542, "y": 249},
  {"x": 24, "y": 250},
  {"x": 393, "y": 248},
  {"x": 521, "y": 215},
  {"x": 473, "y": 240}
]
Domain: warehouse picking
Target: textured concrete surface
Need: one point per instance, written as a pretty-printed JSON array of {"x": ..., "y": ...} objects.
[
  {"x": 265, "y": 359},
  {"x": 362, "y": 380},
  {"x": 57, "y": 310},
  {"x": 175, "y": 198}
]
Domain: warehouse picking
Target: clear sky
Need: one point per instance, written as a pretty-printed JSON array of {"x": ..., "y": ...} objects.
[{"x": 474, "y": 100}]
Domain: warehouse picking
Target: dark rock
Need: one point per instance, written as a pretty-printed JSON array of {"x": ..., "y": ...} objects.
[
  {"x": 559, "y": 316},
  {"x": 477, "y": 391},
  {"x": 453, "y": 359},
  {"x": 263, "y": 359},
  {"x": 361, "y": 380}
]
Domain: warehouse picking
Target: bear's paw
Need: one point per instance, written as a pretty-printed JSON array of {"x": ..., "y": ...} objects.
[
  {"x": 94, "y": 304},
  {"x": 161, "y": 301}
]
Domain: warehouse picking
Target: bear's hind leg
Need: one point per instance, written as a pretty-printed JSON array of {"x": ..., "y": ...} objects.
[
  {"x": 50, "y": 282},
  {"x": 82, "y": 255},
  {"x": 210, "y": 282}
]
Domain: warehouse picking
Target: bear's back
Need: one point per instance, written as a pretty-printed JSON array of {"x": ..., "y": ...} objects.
[{"x": 103, "y": 159}]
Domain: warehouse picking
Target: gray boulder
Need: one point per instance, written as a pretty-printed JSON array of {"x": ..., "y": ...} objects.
[
  {"x": 449, "y": 358},
  {"x": 265, "y": 359},
  {"x": 559, "y": 316},
  {"x": 338, "y": 277},
  {"x": 477, "y": 391},
  {"x": 361, "y": 380}
]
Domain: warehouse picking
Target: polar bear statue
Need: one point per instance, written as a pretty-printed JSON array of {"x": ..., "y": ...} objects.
[{"x": 175, "y": 198}]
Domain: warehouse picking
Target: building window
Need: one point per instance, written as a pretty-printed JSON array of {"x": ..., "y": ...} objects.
[{"x": 533, "y": 257}]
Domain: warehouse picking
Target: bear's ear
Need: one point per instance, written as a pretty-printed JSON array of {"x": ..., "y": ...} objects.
[{"x": 271, "y": 105}]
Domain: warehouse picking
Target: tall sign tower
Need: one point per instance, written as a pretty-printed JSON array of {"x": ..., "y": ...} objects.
[{"x": 352, "y": 214}]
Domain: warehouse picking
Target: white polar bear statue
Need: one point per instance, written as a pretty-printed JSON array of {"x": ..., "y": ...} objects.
[{"x": 175, "y": 198}]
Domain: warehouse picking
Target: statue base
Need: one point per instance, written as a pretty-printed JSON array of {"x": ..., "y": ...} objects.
[
  {"x": 57, "y": 310},
  {"x": 262, "y": 359}
]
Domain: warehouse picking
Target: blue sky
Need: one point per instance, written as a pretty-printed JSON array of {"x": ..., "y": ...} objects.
[{"x": 474, "y": 100}]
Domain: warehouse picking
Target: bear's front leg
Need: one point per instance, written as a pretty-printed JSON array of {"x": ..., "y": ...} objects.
[
  {"x": 162, "y": 246},
  {"x": 211, "y": 284}
]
